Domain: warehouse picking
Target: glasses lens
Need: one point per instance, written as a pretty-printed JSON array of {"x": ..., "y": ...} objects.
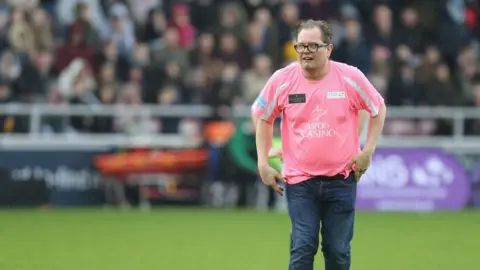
[
  {"x": 299, "y": 48},
  {"x": 313, "y": 47}
]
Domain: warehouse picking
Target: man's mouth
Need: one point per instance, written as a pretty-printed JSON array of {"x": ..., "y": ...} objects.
[{"x": 306, "y": 58}]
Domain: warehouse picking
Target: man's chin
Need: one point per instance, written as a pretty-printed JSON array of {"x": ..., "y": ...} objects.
[{"x": 309, "y": 66}]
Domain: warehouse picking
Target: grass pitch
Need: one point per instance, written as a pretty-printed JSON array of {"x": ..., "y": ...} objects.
[{"x": 204, "y": 239}]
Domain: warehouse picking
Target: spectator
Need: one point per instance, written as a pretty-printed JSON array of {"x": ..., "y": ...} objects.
[
  {"x": 21, "y": 36},
  {"x": 233, "y": 19},
  {"x": 121, "y": 30},
  {"x": 54, "y": 124},
  {"x": 140, "y": 13},
  {"x": 4, "y": 24},
  {"x": 452, "y": 35},
  {"x": 255, "y": 78},
  {"x": 286, "y": 24},
  {"x": 129, "y": 121},
  {"x": 83, "y": 21},
  {"x": 270, "y": 40},
  {"x": 82, "y": 95},
  {"x": 204, "y": 14},
  {"x": 353, "y": 49},
  {"x": 381, "y": 33},
  {"x": 198, "y": 90},
  {"x": 23, "y": 4},
  {"x": 472, "y": 126},
  {"x": 429, "y": 63},
  {"x": 173, "y": 76},
  {"x": 4, "y": 96},
  {"x": 316, "y": 9},
  {"x": 203, "y": 53},
  {"x": 109, "y": 54},
  {"x": 65, "y": 13},
  {"x": 107, "y": 95},
  {"x": 230, "y": 50},
  {"x": 170, "y": 50},
  {"x": 441, "y": 91},
  {"x": 468, "y": 69},
  {"x": 181, "y": 21},
  {"x": 10, "y": 67},
  {"x": 34, "y": 78},
  {"x": 155, "y": 26},
  {"x": 403, "y": 89},
  {"x": 380, "y": 68},
  {"x": 225, "y": 91},
  {"x": 76, "y": 46},
  {"x": 168, "y": 95},
  {"x": 42, "y": 30},
  {"x": 410, "y": 32}
]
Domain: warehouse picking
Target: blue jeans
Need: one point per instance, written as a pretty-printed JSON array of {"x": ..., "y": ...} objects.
[{"x": 326, "y": 204}]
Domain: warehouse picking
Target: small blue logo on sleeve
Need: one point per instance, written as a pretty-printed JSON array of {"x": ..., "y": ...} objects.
[{"x": 262, "y": 103}]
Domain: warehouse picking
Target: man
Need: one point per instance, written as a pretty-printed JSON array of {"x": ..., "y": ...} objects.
[
  {"x": 239, "y": 161},
  {"x": 319, "y": 100},
  {"x": 275, "y": 161},
  {"x": 235, "y": 163}
]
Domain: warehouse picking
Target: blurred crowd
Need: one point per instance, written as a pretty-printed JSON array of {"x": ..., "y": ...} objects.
[{"x": 221, "y": 53}]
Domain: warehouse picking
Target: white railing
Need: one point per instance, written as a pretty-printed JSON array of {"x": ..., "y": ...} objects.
[{"x": 457, "y": 142}]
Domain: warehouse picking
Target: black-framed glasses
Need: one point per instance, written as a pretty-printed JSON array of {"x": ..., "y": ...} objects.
[{"x": 311, "y": 47}]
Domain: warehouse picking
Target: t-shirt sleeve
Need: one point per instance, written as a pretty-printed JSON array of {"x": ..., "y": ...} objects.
[
  {"x": 266, "y": 106},
  {"x": 363, "y": 94}
]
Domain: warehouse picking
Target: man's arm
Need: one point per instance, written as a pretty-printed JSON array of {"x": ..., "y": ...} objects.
[
  {"x": 375, "y": 126},
  {"x": 362, "y": 119},
  {"x": 264, "y": 111},
  {"x": 273, "y": 152},
  {"x": 367, "y": 98},
  {"x": 264, "y": 134},
  {"x": 253, "y": 118}
]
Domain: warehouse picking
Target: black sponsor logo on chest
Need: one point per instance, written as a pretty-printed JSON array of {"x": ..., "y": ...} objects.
[{"x": 297, "y": 98}]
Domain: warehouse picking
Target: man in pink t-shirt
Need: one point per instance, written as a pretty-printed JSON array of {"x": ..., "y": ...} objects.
[{"x": 319, "y": 101}]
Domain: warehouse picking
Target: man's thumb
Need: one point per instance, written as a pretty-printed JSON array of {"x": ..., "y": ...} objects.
[
  {"x": 350, "y": 164},
  {"x": 280, "y": 177}
]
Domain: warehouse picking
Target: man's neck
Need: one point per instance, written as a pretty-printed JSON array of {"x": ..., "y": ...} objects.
[{"x": 316, "y": 74}]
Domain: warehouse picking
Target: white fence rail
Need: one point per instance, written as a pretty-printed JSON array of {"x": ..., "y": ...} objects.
[{"x": 36, "y": 112}]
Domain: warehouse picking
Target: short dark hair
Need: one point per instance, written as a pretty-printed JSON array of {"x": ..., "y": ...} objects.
[{"x": 323, "y": 26}]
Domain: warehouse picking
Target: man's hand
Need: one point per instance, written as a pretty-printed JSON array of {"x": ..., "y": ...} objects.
[
  {"x": 275, "y": 153},
  {"x": 360, "y": 164},
  {"x": 270, "y": 176}
]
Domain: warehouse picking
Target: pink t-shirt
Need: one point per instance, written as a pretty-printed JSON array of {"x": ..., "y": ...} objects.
[{"x": 319, "y": 118}]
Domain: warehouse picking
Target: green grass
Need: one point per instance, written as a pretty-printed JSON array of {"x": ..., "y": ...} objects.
[{"x": 191, "y": 239}]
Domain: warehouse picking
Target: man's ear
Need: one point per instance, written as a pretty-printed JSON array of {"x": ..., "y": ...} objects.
[{"x": 329, "y": 50}]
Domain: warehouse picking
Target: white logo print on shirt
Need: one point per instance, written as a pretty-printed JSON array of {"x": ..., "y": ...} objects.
[
  {"x": 318, "y": 130},
  {"x": 336, "y": 95},
  {"x": 319, "y": 111}
]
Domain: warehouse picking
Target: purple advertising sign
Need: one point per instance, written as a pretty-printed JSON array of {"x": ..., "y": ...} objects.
[
  {"x": 476, "y": 185},
  {"x": 413, "y": 180}
]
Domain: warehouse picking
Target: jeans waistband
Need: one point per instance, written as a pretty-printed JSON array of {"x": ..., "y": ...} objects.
[{"x": 329, "y": 178}]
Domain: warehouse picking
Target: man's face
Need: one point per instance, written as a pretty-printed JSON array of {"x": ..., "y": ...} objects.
[
  {"x": 85, "y": 13},
  {"x": 312, "y": 52},
  {"x": 171, "y": 37}
]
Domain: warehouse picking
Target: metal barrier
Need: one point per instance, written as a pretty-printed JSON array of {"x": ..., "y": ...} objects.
[
  {"x": 457, "y": 143},
  {"x": 57, "y": 169}
]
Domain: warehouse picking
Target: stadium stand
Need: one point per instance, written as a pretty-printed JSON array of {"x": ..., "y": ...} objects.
[{"x": 220, "y": 53}]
